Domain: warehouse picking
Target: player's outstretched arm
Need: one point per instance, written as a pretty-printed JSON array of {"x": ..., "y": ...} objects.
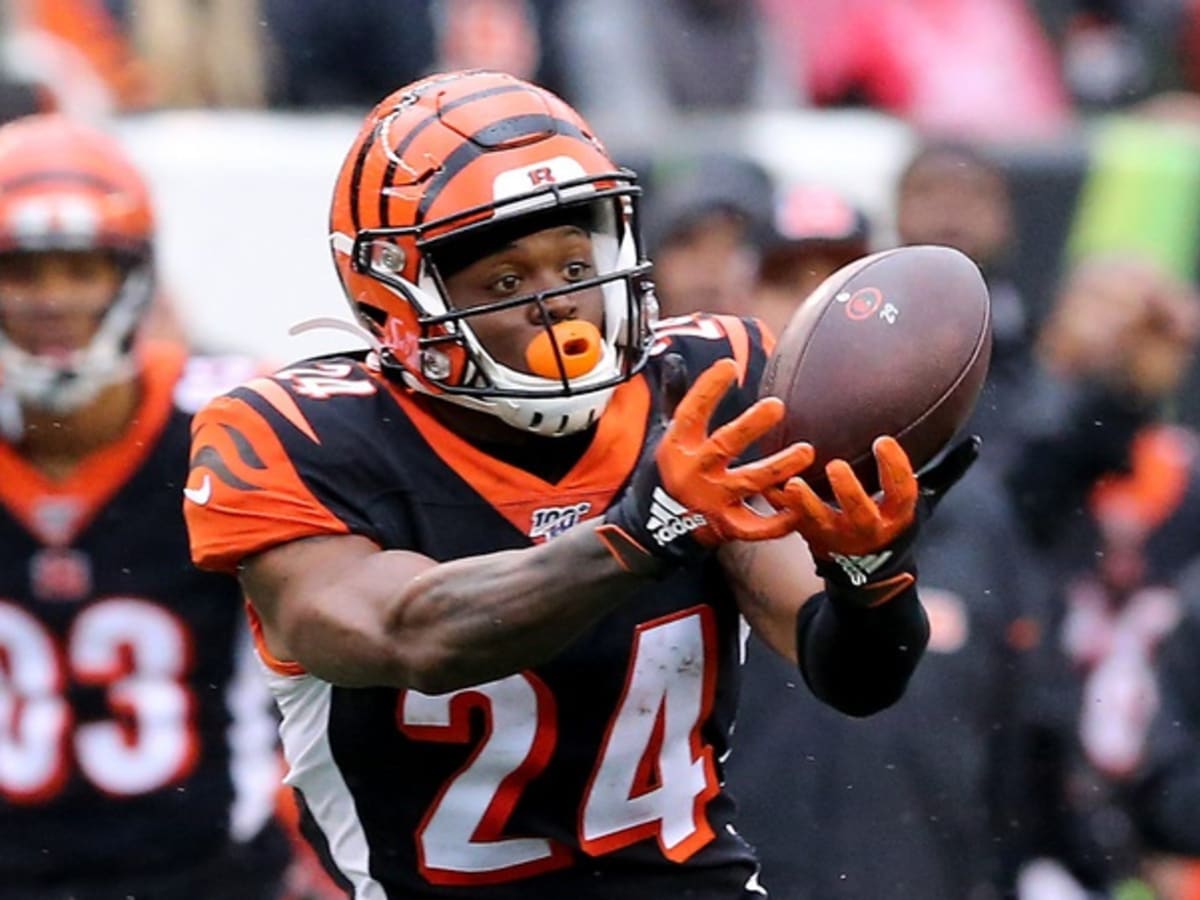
[
  {"x": 357, "y": 616},
  {"x": 354, "y": 615},
  {"x": 859, "y": 635}
]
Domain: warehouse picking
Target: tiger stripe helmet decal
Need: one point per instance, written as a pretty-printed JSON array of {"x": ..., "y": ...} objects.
[{"x": 457, "y": 154}]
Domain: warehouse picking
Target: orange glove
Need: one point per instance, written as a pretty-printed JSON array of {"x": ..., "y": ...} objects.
[
  {"x": 864, "y": 543},
  {"x": 695, "y": 464},
  {"x": 684, "y": 498},
  {"x": 857, "y": 525}
]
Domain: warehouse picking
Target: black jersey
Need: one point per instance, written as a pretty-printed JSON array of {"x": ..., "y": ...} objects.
[
  {"x": 136, "y": 740},
  {"x": 595, "y": 775}
]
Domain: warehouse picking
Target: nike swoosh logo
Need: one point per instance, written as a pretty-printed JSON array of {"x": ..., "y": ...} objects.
[{"x": 202, "y": 494}]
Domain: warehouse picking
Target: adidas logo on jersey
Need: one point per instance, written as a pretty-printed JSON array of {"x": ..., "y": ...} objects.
[
  {"x": 669, "y": 519},
  {"x": 859, "y": 568}
]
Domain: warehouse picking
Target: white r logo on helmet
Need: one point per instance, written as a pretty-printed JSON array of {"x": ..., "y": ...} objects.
[{"x": 550, "y": 171}]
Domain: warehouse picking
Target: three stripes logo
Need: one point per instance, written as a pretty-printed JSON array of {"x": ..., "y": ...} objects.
[
  {"x": 669, "y": 519},
  {"x": 860, "y": 568}
]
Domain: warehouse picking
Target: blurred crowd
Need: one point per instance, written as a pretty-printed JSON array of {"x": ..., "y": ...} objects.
[
  {"x": 989, "y": 67},
  {"x": 1049, "y": 747}
]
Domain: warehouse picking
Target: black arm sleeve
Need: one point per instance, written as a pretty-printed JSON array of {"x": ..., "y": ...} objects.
[{"x": 858, "y": 660}]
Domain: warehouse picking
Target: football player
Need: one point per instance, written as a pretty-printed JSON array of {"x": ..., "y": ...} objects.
[
  {"x": 497, "y": 562},
  {"x": 137, "y": 746}
]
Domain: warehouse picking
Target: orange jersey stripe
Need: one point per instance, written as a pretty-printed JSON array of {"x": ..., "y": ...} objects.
[
  {"x": 515, "y": 493},
  {"x": 272, "y": 662},
  {"x": 739, "y": 342},
  {"x": 767, "y": 336},
  {"x": 99, "y": 475},
  {"x": 275, "y": 394},
  {"x": 237, "y": 507}
]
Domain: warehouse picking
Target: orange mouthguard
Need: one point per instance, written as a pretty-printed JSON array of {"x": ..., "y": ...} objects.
[{"x": 579, "y": 343}]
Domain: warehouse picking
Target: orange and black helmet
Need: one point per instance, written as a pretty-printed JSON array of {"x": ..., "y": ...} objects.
[
  {"x": 457, "y": 155},
  {"x": 66, "y": 186}
]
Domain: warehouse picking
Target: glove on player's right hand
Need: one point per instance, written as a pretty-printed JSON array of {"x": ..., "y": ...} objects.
[{"x": 684, "y": 498}]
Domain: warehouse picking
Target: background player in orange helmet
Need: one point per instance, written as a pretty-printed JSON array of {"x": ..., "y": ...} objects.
[
  {"x": 136, "y": 753},
  {"x": 498, "y": 562}
]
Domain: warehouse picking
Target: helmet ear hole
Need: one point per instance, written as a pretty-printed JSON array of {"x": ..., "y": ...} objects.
[
  {"x": 435, "y": 364},
  {"x": 373, "y": 314},
  {"x": 385, "y": 257}
]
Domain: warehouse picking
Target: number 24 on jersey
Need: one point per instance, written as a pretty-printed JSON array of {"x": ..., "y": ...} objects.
[{"x": 653, "y": 777}]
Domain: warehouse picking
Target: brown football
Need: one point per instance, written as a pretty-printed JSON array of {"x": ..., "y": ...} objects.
[{"x": 896, "y": 343}]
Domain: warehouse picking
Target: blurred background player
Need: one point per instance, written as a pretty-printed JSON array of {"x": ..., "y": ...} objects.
[
  {"x": 502, "y": 550},
  {"x": 1110, "y": 495},
  {"x": 136, "y": 748},
  {"x": 707, "y": 220},
  {"x": 953, "y": 193},
  {"x": 816, "y": 230}
]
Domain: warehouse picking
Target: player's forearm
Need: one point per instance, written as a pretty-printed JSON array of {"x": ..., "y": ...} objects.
[
  {"x": 859, "y": 660},
  {"x": 486, "y": 617},
  {"x": 772, "y": 580},
  {"x": 356, "y": 616}
]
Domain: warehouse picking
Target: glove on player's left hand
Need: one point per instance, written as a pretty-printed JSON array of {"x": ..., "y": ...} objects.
[{"x": 863, "y": 545}]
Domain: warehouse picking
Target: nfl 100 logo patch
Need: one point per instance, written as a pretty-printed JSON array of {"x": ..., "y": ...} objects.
[{"x": 551, "y": 521}]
